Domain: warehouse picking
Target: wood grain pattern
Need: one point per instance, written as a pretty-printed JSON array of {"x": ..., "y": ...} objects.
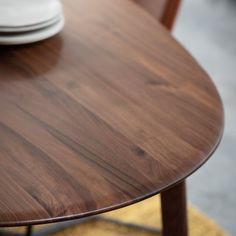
[
  {"x": 163, "y": 10},
  {"x": 111, "y": 111}
]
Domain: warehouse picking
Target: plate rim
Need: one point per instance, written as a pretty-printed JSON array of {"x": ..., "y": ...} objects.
[
  {"x": 16, "y": 29},
  {"x": 15, "y": 23},
  {"x": 35, "y": 36}
]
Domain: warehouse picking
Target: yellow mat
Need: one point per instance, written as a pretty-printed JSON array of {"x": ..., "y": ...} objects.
[{"x": 145, "y": 213}]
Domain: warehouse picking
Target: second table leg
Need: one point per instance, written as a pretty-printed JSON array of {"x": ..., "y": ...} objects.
[{"x": 174, "y": 211}]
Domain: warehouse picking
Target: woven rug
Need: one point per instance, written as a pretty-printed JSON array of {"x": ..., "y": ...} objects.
[{"x": 146, "y": 213}]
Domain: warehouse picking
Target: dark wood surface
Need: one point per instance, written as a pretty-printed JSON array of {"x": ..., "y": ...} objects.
[
  {"x": 111, "y": 111},
  {"x": 164, "y": 11}
]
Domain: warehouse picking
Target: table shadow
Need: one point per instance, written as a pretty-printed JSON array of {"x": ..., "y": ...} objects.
[{"x": 30, "y": 61}]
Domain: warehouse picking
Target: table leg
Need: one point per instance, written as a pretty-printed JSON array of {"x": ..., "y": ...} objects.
[
  {"x": 29, "y": 230},
  {"x": 174, "y": 211}
]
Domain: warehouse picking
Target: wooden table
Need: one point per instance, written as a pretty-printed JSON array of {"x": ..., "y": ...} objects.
[{"x": 108, "y": 113}]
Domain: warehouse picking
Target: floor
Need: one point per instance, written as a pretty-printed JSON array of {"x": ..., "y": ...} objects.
[{"x": 207, "y": 28}]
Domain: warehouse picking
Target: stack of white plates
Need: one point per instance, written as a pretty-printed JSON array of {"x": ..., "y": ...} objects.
[{"x": 28, "y": 21}]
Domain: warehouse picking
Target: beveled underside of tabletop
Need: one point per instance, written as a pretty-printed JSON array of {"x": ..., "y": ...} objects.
[{"x": 111, "y": 111}]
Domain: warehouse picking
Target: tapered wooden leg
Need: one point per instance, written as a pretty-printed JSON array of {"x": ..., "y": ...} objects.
[{"x": 174, "y": 211}]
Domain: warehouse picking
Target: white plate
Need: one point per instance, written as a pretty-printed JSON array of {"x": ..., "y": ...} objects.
[
  {"x": 30, "y": 27},
  {"x": 34, "y": 36},
  {"x": 21, "y": 13}
]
